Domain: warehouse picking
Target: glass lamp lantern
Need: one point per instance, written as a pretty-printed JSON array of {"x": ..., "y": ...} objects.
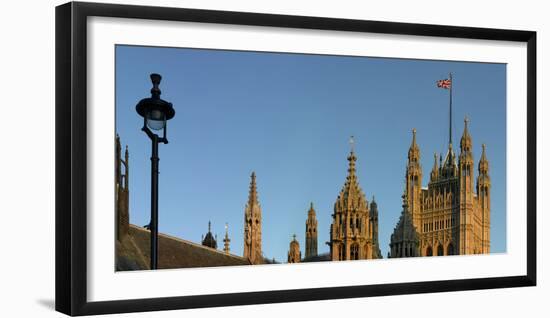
[{"x": 154, "y": 110}]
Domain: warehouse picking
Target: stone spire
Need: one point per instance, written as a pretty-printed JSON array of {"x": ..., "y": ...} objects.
[
  {"x": 351, "y": 194},
  {"x": 484, "y": 199},
  {"x": 435, "y": 169},
  {"x": 226, "y": 240},
  {"x": 449, "y": 167},
  {"x": 311, "y": 211},
  {"x": 405, "y": 239},
  {"x": 483, "y": 178},
  {"x": 414, "y": 150},
  {"x": 253, "y": 194},
  {"x": 483, "y": 166},
  {"x": 466, "y": 166},
  {"x": 466, "y": 140},
  {"x": 374, "y": 226},
  {"x": 253, "y": 225},
  {"x": 373, "y": 208},
  {"x": 311, "y": 232}
]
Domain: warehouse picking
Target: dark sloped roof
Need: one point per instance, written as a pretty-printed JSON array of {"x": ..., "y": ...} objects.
[
  {"x": 209, "y": 240},
  {"x": 132, "y": 253},
  {"x": 318, "y": 258}
]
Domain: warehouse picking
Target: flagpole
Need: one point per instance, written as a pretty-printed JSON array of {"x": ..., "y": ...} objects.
[{"x": 450, "y": 108}]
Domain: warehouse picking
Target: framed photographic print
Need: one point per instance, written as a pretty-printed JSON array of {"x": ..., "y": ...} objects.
[{"x": 228, "y": 158}]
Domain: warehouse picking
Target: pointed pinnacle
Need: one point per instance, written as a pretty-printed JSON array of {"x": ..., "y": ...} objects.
[{"x": 483, "y": 156}]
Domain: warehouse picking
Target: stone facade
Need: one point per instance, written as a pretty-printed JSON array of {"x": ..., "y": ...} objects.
[
  {"x": 253, "y": 225},
  {"x": 450, "y": 216},
  {"x": 354, "y": 229}
]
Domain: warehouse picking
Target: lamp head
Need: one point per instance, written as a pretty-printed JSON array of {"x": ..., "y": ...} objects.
[{"x": 155, "y": 110}]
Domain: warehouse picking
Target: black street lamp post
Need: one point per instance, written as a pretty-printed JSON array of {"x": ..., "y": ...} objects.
[{"x": 155, "y": 113}]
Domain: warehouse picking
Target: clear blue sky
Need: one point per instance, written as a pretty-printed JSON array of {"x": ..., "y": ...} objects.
[{"x": 289, "y": 117}]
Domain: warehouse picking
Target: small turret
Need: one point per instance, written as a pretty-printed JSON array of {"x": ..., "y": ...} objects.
[
  {"x": 435, "y": 169},
  {"x": 466, "y": 140},
  {"x": 414, "y": 150},
  {"x": 374, "y": 226},
  {"x": 209, "y": 239},
  {"x": 466, "y": 163},
  {"x": 373, "y": 208},
  {"x": 311, "y": 232},
  {"x": 226, "y": 240},
  {"x": 483, "y": 166},
  {"x": 294, "y": 254},
  {"x": 483, "y": 179},
  {"x": 484, "y": 199}
]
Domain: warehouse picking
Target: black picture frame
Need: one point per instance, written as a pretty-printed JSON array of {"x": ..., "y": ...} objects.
[{"x": 71, "y": 157}]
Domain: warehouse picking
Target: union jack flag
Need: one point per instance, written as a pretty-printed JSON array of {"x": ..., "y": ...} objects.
[{"x": 444, "y": 83}]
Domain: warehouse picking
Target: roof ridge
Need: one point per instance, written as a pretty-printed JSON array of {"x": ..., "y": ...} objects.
[{"x": 191, "y": 243}]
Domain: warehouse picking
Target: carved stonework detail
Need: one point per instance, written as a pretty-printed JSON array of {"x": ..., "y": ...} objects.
[
  {"x": 354, "y": 229},
  {"x": 451, "y": 215}
]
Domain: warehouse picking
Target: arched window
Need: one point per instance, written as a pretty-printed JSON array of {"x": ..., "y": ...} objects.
[
  {"x": 429, "y": 251},
  {"x": 450, "y": 249},
  {"x": 439, "y": 250},
  {"x": 354, "y": 252},
  {"x": 341, "y": 252}
]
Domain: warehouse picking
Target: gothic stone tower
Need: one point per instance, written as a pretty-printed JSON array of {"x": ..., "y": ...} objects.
[
  {"x": 413, "y": 180},
  {"x": 253, "y": 226},
  {"x": 450, "y": 216},
  {"x": 294, "y": 254},
  {"x": 121, "y": 190},
  {"x": 311, "y": 233},
  {"x": 353, "y": 229}
]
